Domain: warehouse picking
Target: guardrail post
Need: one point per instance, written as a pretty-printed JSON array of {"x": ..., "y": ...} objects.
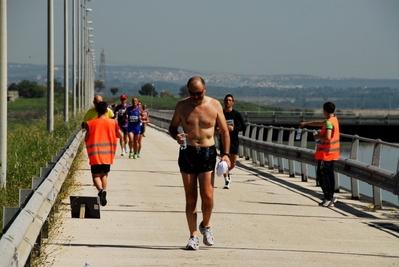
[
  {"x": 254, "y": 152},
  {"x": 291, "y": 165},
  {"x": 36, "y": 181},
  {"x": 280, "y": 141},
  {"x": 377, "y": 192},
  {"x": 9, "y": 214},
  {"x": 269, "y": 139},
  {"x": 261, "y": 154},
  {"x": 240, "y": 147},
  {"x": 353, "y": 155},
  {"x": 24, "y": 195},
  {"x": 304, "y": 166},
  {"x": 247, "y": 150}
]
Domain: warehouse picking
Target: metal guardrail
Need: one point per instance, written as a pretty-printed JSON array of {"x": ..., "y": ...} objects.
[
  {"x": 253, "y": 146},
  {"x": 257, "y": 144},
  {"x": 22, "y": 233},
  {"x": 294, "y": 117}
]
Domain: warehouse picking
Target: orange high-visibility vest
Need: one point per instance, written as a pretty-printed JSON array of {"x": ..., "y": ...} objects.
[
  {"x": 102, "y": 143},
  {"x": 328, "y": 150}
]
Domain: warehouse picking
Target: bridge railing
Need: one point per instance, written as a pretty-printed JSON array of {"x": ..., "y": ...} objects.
[
  {"x": 23, "y": 226},
  {"x": 289, "y": 117},
  {"x": 263, "y": 144}
]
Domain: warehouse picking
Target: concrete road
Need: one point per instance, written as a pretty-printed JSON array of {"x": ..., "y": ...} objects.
[{"x": 264, "y": 219}]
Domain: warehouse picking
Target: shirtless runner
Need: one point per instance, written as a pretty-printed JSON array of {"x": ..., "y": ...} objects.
[{"x": 197, "y": 115}]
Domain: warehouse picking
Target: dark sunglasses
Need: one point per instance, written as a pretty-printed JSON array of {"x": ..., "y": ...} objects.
[{"x": 196, "y": 93}]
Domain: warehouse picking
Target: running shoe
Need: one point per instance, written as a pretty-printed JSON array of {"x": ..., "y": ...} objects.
[
  {"x": 123, "y": 153},
  {"x": 193, "y": 243},
  {"x": 138, "y": 155},
  {"x": 103, "y": 197},
  {"x": 207, "y": 233},
  {"x": 334, "y": 200},
  {"x": 135, "y": 156},
  {"x": 130, "y": 155},
  {"x": 227, "y": 182},
  {"x": 327, "y": 203}
]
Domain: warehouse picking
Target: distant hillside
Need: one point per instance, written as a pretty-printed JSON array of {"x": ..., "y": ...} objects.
[{"x": 278, "y": 90}]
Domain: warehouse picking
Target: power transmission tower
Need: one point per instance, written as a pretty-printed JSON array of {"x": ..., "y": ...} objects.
[{"x": 101, "y": 75}]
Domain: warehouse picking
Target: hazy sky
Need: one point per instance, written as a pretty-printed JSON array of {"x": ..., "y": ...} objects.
[{"x": 327, "y": 38}]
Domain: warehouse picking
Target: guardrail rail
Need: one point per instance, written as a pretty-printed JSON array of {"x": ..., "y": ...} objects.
[
  {"x": 23, "y": 226},
  {"x": 262, "y": 143}
]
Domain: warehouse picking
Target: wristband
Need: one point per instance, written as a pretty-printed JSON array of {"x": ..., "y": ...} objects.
[{"x": 226, "y": 154}]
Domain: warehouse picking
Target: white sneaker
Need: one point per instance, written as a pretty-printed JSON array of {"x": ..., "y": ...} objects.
[
  {"x": 207, "y": 233},
  {"x": 327, "y": 203},
  {"x": 123, "y": 153},
  {"x": 193, "y": 243}
]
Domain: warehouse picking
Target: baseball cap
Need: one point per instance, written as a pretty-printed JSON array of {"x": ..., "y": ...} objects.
[
  {"x": 123, "y": 96},
  {"x": 221, "y": 168}
]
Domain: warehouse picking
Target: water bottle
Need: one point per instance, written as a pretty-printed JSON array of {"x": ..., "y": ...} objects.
[
  {"x": 87, "y": 264},
  {"x": 184, "y": 145},
  {"x": 316, "y": 140},
  {"x": 298, "y": 134}
]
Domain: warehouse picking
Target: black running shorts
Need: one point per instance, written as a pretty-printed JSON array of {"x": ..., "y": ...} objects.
[
  {"x": 234, "y": 144},
  {"x": 197, "y": 159},
  {"x": 99, "y": 168}
]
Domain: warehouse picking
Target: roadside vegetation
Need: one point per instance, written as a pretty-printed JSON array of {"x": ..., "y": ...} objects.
[{"x": 30, "y": 147}]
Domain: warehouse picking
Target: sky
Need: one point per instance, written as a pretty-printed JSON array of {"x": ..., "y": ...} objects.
[{"x": 325, "y": 38}]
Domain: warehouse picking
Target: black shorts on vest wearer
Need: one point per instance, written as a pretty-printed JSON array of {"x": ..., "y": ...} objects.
[
  {"x": 97, "y": 169},
  {"x": 197, "y": 159}
]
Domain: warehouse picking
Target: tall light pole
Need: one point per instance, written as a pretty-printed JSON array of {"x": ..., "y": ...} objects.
[
  {"x": 73, "y": 58},
  {"x": 66, "y": 64},
  {"x": 152, "y": 93},
  {"x": 79, "y": 57},
  {"x": 3, "y": 93},
  {"x": 50, "y": 67},
  {"x": 87, "y": 44}
]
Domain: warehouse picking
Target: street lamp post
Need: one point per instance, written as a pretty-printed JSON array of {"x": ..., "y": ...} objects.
[
  {"x": 152, "y": 93},
  {"x": 66, "y": 65}
]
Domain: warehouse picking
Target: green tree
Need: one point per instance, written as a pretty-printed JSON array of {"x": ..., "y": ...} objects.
[
  {"x": 148, "y": 89},
  {"x": 30, "y": 89},
  {"x": 184, "y": 91},
  {"x": 114, "y": 90},
  {"x": 99, "y": 85},
  {"x": 13, "y": 87}
]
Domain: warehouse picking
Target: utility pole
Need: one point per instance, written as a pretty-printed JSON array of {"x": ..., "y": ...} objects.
[
  {"x": 3, "y": 93},
  {"x": 50, "y": 66},
  {"x": 101, "y": 74}
]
